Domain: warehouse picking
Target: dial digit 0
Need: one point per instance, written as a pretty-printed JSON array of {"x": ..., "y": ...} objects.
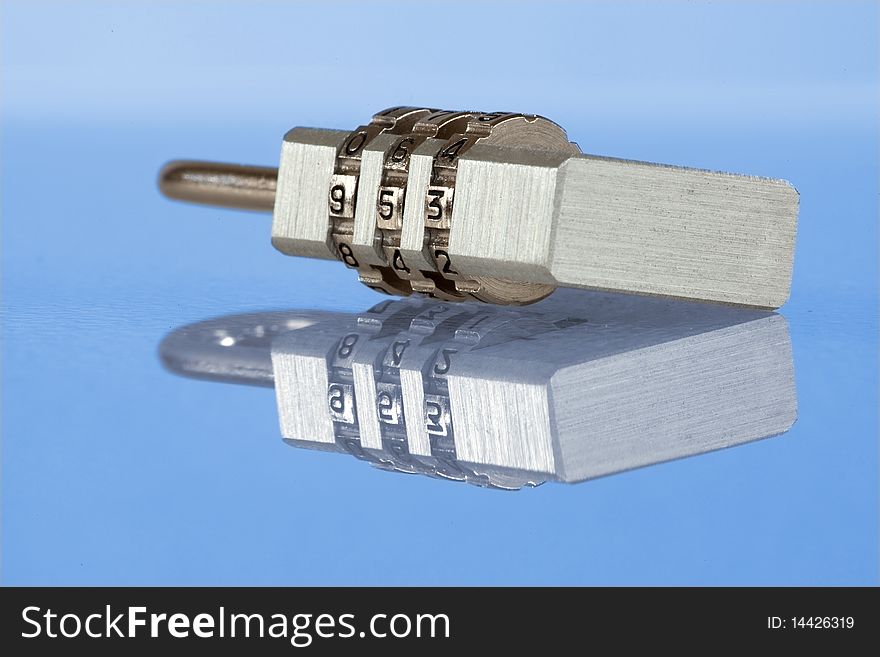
[{"x": 355, "y": 143}]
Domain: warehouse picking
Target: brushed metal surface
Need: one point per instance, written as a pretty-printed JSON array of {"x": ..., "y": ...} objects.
[
  {"x": 299, "y": 224},
  {"x": 503, "y": 422},
  {"x": 413, "y": 387},
  {"x": 289, "y": 375},
  {"x": 678, "y": 398},
  {"x": 363, "y": 242},
  {"x": 671, "y": 231},
  {"x": 503, "y": 217},
  {"x": 306, "y": 368},
  {"x": 412, "y": 238},
  {"x": 365, "y": 389}
]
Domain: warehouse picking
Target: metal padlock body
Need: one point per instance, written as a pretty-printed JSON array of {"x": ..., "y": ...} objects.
[
  {"x": 509, "y": 209},
  {"x": 502, "y": 208}
]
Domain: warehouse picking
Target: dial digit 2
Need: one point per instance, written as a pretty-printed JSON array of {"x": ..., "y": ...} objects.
[
  {"x": 347, "y": 255},
  {"x": 447, "y": 266},
  {"x": 337, "y": 199},
  {"x": 444, "y": 362}
]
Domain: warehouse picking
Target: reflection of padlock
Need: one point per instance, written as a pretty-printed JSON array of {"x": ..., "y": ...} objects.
[
  {"x": 578, "y": 386},
  {"x": 502, "y": 208}
]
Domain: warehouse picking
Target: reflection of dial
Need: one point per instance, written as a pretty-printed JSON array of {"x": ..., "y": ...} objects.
[
  {"x": 408, "y": 375},
  {"x": 383, "y": 321},
  {"x": 474, "y": 392}
]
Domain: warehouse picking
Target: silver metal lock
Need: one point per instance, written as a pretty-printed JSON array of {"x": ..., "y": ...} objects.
[{"x": 502, "y": 208}]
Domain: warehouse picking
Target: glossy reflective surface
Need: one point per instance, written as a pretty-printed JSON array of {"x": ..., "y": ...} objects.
[
  {"x": 578, "y": 386},
  {"x": 116, "y": 471}
]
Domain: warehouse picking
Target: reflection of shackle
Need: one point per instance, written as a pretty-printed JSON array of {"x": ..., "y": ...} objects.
[{"x": 577, "y": 386}]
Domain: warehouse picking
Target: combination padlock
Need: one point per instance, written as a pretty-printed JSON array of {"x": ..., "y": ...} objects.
[{"x": 502, "y": 208}]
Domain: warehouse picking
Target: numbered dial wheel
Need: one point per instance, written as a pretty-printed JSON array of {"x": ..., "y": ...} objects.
[{"x": 405, "y": 247}]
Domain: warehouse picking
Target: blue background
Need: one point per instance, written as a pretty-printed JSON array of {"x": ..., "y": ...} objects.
[{"x": 116, "y": 472}]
